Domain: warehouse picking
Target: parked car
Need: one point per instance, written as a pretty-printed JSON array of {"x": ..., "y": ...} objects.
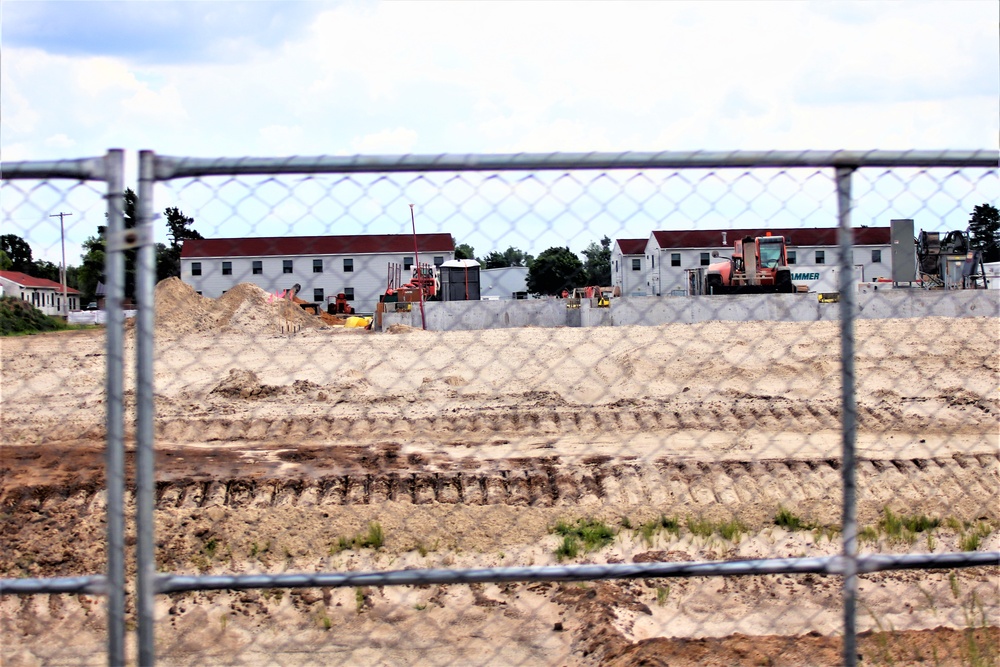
[{"x": 91, "y": 306}]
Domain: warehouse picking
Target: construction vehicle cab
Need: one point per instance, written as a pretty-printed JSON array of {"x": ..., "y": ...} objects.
[
  {"x": 758, "y": 265},
  {"x": 340, "y": 306}
]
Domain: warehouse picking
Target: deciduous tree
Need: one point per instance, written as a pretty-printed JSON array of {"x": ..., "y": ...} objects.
[
  {"x": 18, "y": 252},
  {"x": 555, "y": 270},
  {"x": 598, "y": 262}
]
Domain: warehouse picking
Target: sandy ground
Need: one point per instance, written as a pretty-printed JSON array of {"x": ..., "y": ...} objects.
[{"x": 280, "y": 440}]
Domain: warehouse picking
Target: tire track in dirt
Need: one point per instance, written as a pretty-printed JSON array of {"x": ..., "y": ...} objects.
[
  {"x": 959, "y": 486},
  {"x": 625, "y": 416}
]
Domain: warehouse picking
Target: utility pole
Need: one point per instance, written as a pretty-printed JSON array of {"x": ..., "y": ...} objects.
[{"x": 62, "y": 269}]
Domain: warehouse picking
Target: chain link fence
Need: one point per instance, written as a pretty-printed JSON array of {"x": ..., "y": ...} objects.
[{"x": 658, "y": 477}]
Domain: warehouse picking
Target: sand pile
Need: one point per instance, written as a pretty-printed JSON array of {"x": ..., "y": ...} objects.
[
  {"x": 245, "y": 308},
  {"x": 181, "y": 310}
]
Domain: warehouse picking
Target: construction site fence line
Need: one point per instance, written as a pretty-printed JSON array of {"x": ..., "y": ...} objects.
[{"x": 155, "y": 168}]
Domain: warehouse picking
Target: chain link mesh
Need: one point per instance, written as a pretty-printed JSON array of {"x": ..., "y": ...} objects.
[{"x": 527, "y": 481}]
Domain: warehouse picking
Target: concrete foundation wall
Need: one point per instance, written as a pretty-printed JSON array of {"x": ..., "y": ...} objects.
[{"x": 650, "y": 311}]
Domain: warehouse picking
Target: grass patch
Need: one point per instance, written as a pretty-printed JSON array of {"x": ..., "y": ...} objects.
[
  {"x": 972, "y": 540},
  {"x": 570, "y": 548},
  {"x": 899, "y": 528},
  {"x": 650, "y": 529},
  {"x": 586, "y": 535},
  {"x": 732, "y": 530},
  {"x": 700, "y": 527},
  {"x": 374, "y": 538},
  {"x": 662, "y": 593},
  {"x": 788, "y": 520}
]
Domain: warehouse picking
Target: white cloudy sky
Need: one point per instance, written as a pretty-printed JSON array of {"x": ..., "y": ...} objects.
[
  {"x": 281, "y": 78},
  {"x": 309, "y": 78}
]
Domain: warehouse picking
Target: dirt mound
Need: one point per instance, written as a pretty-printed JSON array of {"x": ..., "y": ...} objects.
[
  {"x": 245, "y": 384},
  {"x": 245, "y": 308},
  {"x": 181, "y": 310},
  {"x": 249, "y": 309}
]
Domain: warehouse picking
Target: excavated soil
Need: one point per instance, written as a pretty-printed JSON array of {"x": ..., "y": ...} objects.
[{"x": 283, "y": 442}]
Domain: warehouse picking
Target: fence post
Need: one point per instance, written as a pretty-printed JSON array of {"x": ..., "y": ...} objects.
[
  {"x": 849, "y": 415},
  {"x": 145, "y": 319},
  {"x": 115, "y": 275}
]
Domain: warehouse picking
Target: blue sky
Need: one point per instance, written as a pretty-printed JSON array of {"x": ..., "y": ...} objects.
[{"x": 343, "y": 78}]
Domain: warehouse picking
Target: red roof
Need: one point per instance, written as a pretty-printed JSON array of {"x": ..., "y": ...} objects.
[
  {"x": 317, "y": 245},
  {"x": 24, "y": 280},
  {"x": 632, "y": 246},
  {"x": 801, "y": 236}
]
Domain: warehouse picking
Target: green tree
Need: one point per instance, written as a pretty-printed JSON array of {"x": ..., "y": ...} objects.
[
  {"x": 18, "y": 252},
  {"x": 179, "y": 229},
  {"x": 555, "y": 270},
  {"x": 984, "y": 230},
  {"x": 464, "y": 251},
  {"x": 42, "y": 268},
  {"x": 598, "y": 262},
  {"x": 91, "y": 269},
  {"x": 5, "y": 261},
  {"x": 509, "y": 257}
]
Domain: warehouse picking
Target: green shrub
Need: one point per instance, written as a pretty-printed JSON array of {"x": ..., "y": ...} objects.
[{"x": 20, "y": 317}]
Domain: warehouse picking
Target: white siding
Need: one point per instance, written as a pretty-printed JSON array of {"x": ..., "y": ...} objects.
[
  {"x": 368, "y": 278},
  {"x": 665, "y": 278}
]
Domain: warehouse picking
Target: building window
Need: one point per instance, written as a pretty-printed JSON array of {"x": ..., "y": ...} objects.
[
  {"x": 286, "y": 266},
  {"x": 821, "y": 257},
  {"x": 706, "y": 259},
  {"x": 318, "y": 294},
  {"x": 616, "y": 266},
  {"x": 791, "y": 256},
  {"x": 258, "y": 267},
  {"x": 675, "y": 259},
  {"x": 317, "y": 266},
  {"x": 876, "y": 256},
  {"x": 636, "y": 264},
  {"x": 195, "y": 268},
  {"x": 349, "y": 293},
  {"x": 348, "y": 265},
  {"x": 227, "y": 268},
  {"x": 438, "y": 260},
  {"x": 407, "y": 263}
]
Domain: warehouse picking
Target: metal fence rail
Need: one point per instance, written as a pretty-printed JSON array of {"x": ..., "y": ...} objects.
[
  {"x": 513, "y": 199},
  {"x": 110, "y": 170}
]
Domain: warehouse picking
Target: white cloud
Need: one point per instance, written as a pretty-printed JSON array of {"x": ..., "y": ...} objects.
[
  {"x": 497, "y": 77},
  {"x": 391, "y": 141},
  {"x": 60, "y": 141}
]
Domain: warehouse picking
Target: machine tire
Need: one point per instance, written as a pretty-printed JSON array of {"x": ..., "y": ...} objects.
[
  {"x": 784, "y": 283},
  {"x": 713, "y": 284}
]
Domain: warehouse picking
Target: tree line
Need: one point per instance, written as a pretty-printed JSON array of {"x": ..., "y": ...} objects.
[
  {"x": 552, "y": 271},
  {"x": 16, "y": 254}
]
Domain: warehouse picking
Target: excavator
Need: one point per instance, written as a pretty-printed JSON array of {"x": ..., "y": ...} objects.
[{"x": 759, "y": 265}]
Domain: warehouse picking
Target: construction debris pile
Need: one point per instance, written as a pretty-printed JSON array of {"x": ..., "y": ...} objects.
[{"x": 245, "y": 308}]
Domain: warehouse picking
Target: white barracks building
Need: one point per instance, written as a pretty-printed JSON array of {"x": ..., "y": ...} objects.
[
  {"x": 322, "y": 266},
  {"x": 656, "y": 266}
]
